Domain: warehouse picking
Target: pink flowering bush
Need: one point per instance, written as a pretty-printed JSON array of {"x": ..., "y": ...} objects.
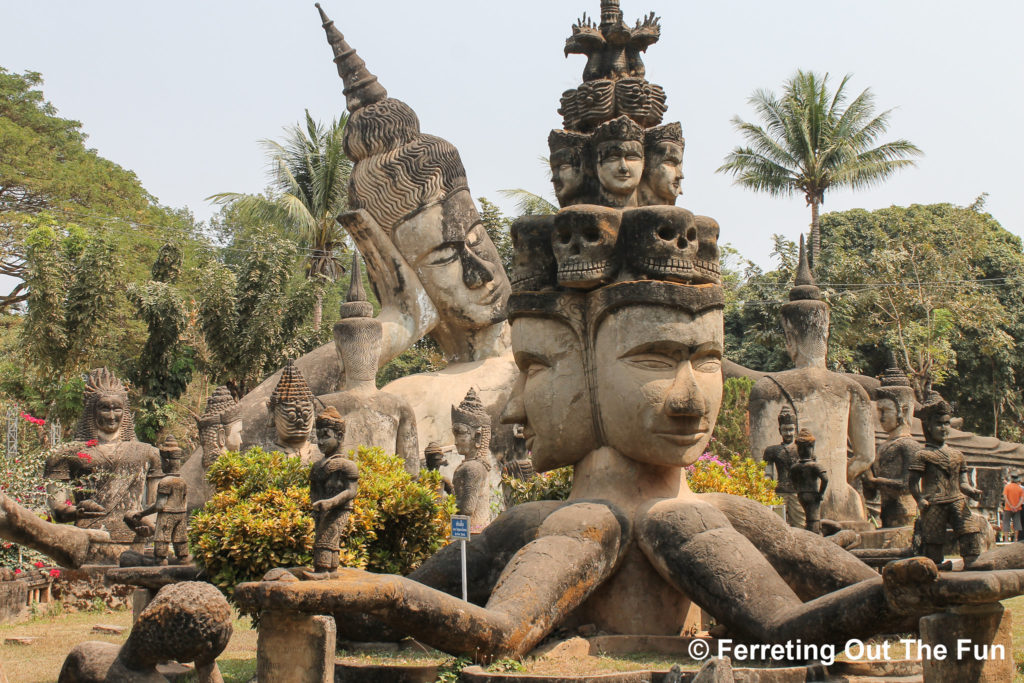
[{"x": 739, "y": 476}]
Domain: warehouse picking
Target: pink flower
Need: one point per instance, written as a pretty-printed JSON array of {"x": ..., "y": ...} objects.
[
  {"x": 91, "y": 442},
  {"x": 84, "y": 456},
  {"x": 54, "y": 573},
  {"x": 37, "y": 565},
  {"x": 17, "y": 571},
  {"x": 34, "y": 420}
]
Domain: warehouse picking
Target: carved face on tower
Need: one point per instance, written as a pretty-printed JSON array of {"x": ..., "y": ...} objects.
[
  {"x": 663, "y": 170},
  {"x": 659, "y": 381},
  {"x": 568, "y": 173},
  {"x": 533, "y": 262},
  {"x": 291, "y": 407},
  {"x": 619, "y": 153},
  {"x": 889, "y": 414},
  {"x": 660, "y": 242},
  {"x": 583, "y": 243}
]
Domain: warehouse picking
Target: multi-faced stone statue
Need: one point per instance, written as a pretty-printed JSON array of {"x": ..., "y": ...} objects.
[
  {"x": 471, "y": 426},
  {"x": 890, "y": 475},
  {"x": 106, "y": 473},
  {"x": 663, "y": 165},
  {"x": 940, "y": 484},
  {"x": 170, "y": 507},
  {"x": 571, "y": 175},
  {"x": 619, "y": 153},
  {"x": 781, "y": 459},
  {"x": 810, "y": 480},
  {"x": 835, "y": 407},
  {"x": 372, "y": 418},
  {"x": 583, "y": 242},
  {"x": 333, "y": 485},
  {"x": 292, "y": 414}
]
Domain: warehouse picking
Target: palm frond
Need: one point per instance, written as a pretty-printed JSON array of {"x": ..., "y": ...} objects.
[{"x": 529, "y": 203}]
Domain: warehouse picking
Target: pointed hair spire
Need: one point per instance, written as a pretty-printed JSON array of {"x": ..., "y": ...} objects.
[
  {"x": 361, "y": 86},
  {"x": 804, "y": 287},
  {"x": 356, "y": 305}
]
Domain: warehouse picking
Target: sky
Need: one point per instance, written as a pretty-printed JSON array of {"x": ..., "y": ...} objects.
[{"x": 182, "y": 92}]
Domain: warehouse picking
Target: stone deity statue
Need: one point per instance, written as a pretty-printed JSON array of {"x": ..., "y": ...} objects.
[
  {"x": 220, "y": 430},
  {"x": 810, "y": 480},
  {"x": 781, "y": 458},
  {"x": 619, "y": 151},
  {"x": 372, "y": 418},
  {"x": 939, "y": 484},
  {"x": 570, "y": 174},
  {"x": 471, "y": 426},
  {"x": 170, "y": 507},
  {"x": 663, "y": 166},
  {"x": 118, "y": 472},
  {"x": 435, "y": 459},
  {"x": 890, "y": 475},
  {"x": 333, "y": 485},
  {"x": 833, "y": 406},
  {"x": 292, "y": 414}
]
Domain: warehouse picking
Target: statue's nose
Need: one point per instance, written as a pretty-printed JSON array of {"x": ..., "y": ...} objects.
[{"x": 475, "y": 272}]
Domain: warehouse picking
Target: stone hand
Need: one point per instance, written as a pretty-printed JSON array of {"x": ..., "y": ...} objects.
[
  {"x": 320, "y": 505},
  {"x": 89, "y": 509},
  {"x": 924, "y": 504},
  {"x": 971, "y": 492}
]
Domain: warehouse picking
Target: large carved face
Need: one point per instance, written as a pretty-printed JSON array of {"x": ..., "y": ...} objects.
[
  {"x": 459, "y": 267},
  {"x": 567, "y": 176},
  {"x": 293, "y": 422},
  {"x": 661, "y": 242},
  {"x": 109, "y": 413},
  {"x": 659, "y": 381},
  {"x": 583, "y": 243},
  {"x": 620, "y": 165},
  {"x": 550, "y": 398},
  {"x": 663, "y": 173}
]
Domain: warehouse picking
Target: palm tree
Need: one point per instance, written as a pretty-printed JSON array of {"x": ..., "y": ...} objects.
[
  {"x": 309, "y": 172},
  {"x": 812, "y": 141}
]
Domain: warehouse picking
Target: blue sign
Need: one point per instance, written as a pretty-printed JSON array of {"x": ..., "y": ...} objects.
[{"x": 460, "y": 526}]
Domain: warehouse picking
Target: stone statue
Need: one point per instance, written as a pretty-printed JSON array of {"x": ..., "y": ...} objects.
[
  {"x": 836, "y": 408},
  {"x": 471, "y": 426},
  {"x": 330, "y": 431},
  {"x": 663, "y": 166},
  {"x": 292, "y": 415},
  {"x": 220, "y": 430},
  {"x": 434, "y": 456},
  {"x": 810, "y": 480},
  {"x": 517, "y": 464},
  {"x": 619, "y": 152},
  {"x": 333, "y": 485},
  {"x": 622, "y": 380},
  {"x": 890, "y": 475},
  {"x": 939, "y": 484},
  {"x": 781, "y": 458},
  {"x": 170, "y": 507},
  {"x": 571, "y": 175},
  {"x": 116, "y": 470},
  {"x": 372, "y": 418}
]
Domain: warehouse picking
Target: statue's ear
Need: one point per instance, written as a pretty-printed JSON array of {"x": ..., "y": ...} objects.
[{"x": 478, "y": 434}]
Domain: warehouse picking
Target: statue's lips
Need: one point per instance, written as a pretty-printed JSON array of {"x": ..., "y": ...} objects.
[
  {"x": 528, "y": 436},
  {"x": 681, "y": 438},
  {"x": 491, "y": 297}
]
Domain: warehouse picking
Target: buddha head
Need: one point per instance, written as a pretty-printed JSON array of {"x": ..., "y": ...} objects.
[
  {"x": 805, "y": 445},
  {"x": 291, "y": 407},
  {"x": 220, "y": 426},
  {"x": 471, "y": 426},
  {"x": 936, "y": 415},
  {"x": 895, "y": 400},
  {"x": 358, "y": 337},
  {"x": 171, "y": 455},
  {"x": 569, "y": 173},
  {"x": 434, "y": 455},
  {"x": 787, "y": 425},
  {"x": 106, "y": 416},
  {"x": 330, "y": 431},
  {"x": 805, "y": 319},
  {"x": 663, "y": 165},
  {"x": 619, "y": 152}
]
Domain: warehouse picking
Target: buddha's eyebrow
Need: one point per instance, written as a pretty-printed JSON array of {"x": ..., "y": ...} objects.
[{"x": 524, "y": 358}]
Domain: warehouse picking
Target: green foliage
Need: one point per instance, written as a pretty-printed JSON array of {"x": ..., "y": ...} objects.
[
  {"x": 738, "y": 476},
  {"x": 551, "y": 485},
  {"x": 498, "y": 227},
  {"x": 450, "y": 670},
  {"x": 732, "y": 430},
  {"x": 423, "y": 356},
  {"x": 256, "y": 470}
]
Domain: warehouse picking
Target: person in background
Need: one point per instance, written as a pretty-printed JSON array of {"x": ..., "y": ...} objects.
[{"x": 1013, "y": 501}]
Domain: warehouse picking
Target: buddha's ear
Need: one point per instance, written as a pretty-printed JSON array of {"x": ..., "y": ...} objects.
[{"x": 478, "y": 434}]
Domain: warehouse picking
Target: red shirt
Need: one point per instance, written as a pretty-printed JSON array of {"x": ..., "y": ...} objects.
[{"x": 1013, "y": 496}]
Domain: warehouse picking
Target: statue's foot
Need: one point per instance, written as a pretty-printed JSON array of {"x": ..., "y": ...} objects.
[
  {"x": 321, "y": 575},
  {"x": 280, "y": 574},
  {"x": 946, "y": 566},
  {"x": 847, "y": 539}
]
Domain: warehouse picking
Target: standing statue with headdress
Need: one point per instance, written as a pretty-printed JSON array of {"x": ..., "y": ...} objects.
[
  {"x": 170, "y": 507},
  {"x": 940, "y": 485},
  {"x": 333, "y": 485},
  {"x": 810, "y": 481},
  {"x": 372, "y": 417},
  {"x": 106, "y": 472},
  {"x": 292, "y": 414},
  {"x": 890, "y": 475},
  {"x": 471, "y": 426},
  {"x": 781, "y": 458}
]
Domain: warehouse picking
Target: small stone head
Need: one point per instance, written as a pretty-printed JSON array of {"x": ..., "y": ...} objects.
[
  {"x": 171, "y": 455},
  {"x": 935, "y": 414},
  {"x": 106, "y": 415},
  {"x": 619, "y": 152},
  {"x": 894, "y": 399},
  {"x": 663, "y": 166},
  {"x": 471, "y": 426},
  {"x": 805, "y": 445},
  {"x": 583, "y": 242},
  {"x": 787, "y": 425},
  {"x": 569, "y": 174},
  {"x": 434, "y": 456},
  {"x": 805, "y": 319},
  {"x": 291, "y": 407},
  {"x": 533, "y": 262},
  {"x": 330, "y": 431},
  {"x": 660, "y": 243}
]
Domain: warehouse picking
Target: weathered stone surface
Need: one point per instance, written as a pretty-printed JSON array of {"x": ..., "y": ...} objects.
[
  {"x": 13, "y": 600},
  {"x": 715, "y": 671},
  {"x": 292, "y": 416},
  {"x": 295, "y": 648},
  {"x": 477, "y": 476},
  {"x": 985, "y": 627},
  {"x": 220, "y": 430},
  {"x": 475, "y": 674},
  {"x": 563, "y": 649},
  {"x": 109, "y": 629}
]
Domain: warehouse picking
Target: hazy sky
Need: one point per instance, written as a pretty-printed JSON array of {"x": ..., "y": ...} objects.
[{"x": 181, "y": 92}]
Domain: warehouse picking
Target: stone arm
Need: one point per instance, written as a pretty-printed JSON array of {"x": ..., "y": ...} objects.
[
  {"x": 822, "y": 481},
  {"x": 407, "y": 313},
  {"x": 345, "y": 496},
  {"x": 966, "y": 488},
  {"x": 407, "y": 442},
  {"x": 158, "y": 506},
  {"x": 915, "y": 490},
  {"x": 861, "y": 430},
  {"x": 69, "y": 546},
  {"x": 58, "y": 499}
]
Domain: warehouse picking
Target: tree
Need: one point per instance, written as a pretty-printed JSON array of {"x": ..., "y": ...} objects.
[
  {"x": 813, "y": 140},
  {"x": 309, "y": 175}
]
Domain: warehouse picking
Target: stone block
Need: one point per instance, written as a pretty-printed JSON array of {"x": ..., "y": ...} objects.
[
  {"x": 294, "y": 647},
  {"x": 108, "y": 629},
  {"x": 13, "y": 600},
  {"x": 141, "y": 597},
  {"x": 987, "y": 632},
  {"x": 20, "y": 640}
]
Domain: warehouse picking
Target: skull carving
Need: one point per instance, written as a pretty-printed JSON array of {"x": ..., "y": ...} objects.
[
  {"x": 533, "y": 265},
  {"x": 583, "y": 242},
  {"x": 660, "y": 243}
]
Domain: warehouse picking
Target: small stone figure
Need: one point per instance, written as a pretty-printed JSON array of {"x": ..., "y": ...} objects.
[
  {"x": 333, "y": 485},
  {"x": 517, "y": 463},
  {"x": 890, "y": 475},
  {"x": 810, "y": 481},
  {"x": 471, "y": 426},
  {"x": 434, "y": 456},
  {"x": 291, "y": 409},
  {"x": 782, "y": 457},
  {"x": 170, "y": 507},
  {"x": 939, "y": 484}
]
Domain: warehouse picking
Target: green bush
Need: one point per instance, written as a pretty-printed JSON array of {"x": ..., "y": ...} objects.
[
  {"x": 260, "y": 517},
  {"x": 553, "y": 485},
  {"x": 739, "y": 476}
]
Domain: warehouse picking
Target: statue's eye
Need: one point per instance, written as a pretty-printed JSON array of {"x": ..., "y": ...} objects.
[
  {"x": 443, "y": 255},
  {"x": 651, "y": 361}
]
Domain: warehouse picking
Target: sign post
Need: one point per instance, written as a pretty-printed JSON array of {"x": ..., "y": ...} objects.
[{"x": 460, "y": 530}]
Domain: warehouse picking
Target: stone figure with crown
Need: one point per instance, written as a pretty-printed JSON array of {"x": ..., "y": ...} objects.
[
  {"x": 619, "y": 345},
  {"x": 333, "y": 486},
  {"x": 474, "y": 477},
  {"x": 372, "y": 417},
  {"x": 781, "y": 458},
  {"x": 292, "y": 415},
  {"x": 220, "y": 430},
  {"x": 116, "y": 471},
  {"x": 170, "y": 508}
]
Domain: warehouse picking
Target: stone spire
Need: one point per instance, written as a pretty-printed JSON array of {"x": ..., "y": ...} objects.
[
  {"x": 361, "y": 86},
  {"x": 291, "y": 388},
  {"x": 804, "y": 289},
  {"x": 356, "y": 305},
  {"x": 894, "y": 376},
  {"x": 471, "y": 411}
]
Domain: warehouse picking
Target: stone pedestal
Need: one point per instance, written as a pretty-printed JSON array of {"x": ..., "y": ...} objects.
[
  {"x": 978, "y": 642},
  {"x": 294, "y": 647},
  {"x": 141, "y": 597}
]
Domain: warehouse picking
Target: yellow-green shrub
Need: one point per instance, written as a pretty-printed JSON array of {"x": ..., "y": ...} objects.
[
  {"x": 552, "y": 485},
  {"x": 739, "y": 476}
]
